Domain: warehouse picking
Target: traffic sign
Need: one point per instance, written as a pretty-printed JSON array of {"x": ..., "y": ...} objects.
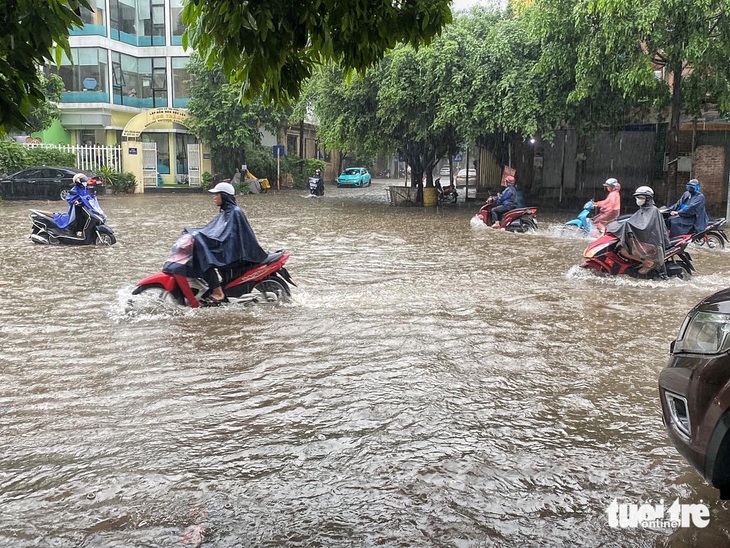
[{"x": 279, "y": 151}]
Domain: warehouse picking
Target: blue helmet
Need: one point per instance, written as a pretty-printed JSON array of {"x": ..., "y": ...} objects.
[{"x": 693, "y": 185}]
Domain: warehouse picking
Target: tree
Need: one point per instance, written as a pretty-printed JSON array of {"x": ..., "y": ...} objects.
[
  {"x": 35, "y": 32},
  {"x": 608, "y": 52},
  {"x": 42, "y": 116},
  {"x": 218, "y": 117},
  {"x": 270, "y": 47}
]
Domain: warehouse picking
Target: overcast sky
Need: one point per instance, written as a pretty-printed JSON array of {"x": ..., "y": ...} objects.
[{"x": 458, "y": 5}]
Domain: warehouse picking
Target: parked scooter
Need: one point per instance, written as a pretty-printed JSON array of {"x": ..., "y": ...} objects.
[
  {"x": 84, "y": 224},
  {"x": 267, "y": 282},
  {"x": 521, "y": 219},
  {"x": 447, "y": 193},
  {"x": 713, "y": 237}
]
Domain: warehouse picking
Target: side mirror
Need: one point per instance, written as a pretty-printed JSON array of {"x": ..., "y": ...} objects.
[{"x": 671, "y": 346}]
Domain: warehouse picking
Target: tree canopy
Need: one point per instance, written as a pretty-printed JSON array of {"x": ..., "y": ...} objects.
[
  {"x": 271, "y": 47},
  {"x": 35, "y": 32}
]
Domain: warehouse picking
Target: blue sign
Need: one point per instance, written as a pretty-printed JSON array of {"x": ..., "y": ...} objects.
[
  {"x": 279, "y": 151},
  {"x": 206, "y": 155},
  {"x": 458, "y": 158},
  {"x": 132, "y": 150}
]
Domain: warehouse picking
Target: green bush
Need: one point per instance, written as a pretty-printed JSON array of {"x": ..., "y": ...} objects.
[
  {"x": 206, "y": 180},
  {"x": 118, "y": 183},
  {"x": 49, "y": 157},
  {"x": 12, "y": 156}
]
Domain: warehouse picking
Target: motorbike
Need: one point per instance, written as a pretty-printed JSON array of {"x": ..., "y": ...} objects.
[
  {"x": 447, "y": 193},
  {"x": 712, "y": 237},
  {"x": 583, "y": 222},
  {"x": 521, "y": 219},
  {"x": 316, "y": 186},
  {"x": 266, "y": 283},
  {"x": 602, "y": 256},
  {"x": 63, "y": 228}
]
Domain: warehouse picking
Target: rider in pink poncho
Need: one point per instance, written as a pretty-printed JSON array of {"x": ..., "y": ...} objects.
[{"x": 610, "y": 207}]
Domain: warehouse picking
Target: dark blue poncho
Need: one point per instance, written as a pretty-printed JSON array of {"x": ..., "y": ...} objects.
[{"x": 227, "y": 240}]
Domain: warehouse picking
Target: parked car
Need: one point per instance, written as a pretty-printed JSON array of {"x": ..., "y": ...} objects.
[
  {"x": 354, "y": 176},
  {"x": 461, "y": 176},
  {"x": 445, "y": 171},
  {"x": 44, "y": 183},
  {"x": 694, "y": 390}
]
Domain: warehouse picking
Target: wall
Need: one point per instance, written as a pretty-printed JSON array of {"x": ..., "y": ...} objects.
[{"x": 710, "y": 162}]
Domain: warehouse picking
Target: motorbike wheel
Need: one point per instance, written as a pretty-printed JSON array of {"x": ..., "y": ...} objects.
[
  {"x": 270, "y": 292},
  {"x": 158, "y": 294},
  {"x": 710, "y": 240},
  {"x": 104, "y": 238}
]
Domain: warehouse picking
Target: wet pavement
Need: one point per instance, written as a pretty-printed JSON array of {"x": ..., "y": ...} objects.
[{"x": 432, "y": 383}]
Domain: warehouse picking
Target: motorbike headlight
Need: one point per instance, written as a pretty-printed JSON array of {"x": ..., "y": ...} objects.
[
  {"x": 704, "y": 333},
  {"x": 591, "y": 252}
]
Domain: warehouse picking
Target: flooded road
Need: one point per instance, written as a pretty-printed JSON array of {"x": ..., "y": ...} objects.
[{"x": 430, "y": 384}]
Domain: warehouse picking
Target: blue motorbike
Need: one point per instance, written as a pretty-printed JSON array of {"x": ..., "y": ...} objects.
[{"x": 583, "y": 222}]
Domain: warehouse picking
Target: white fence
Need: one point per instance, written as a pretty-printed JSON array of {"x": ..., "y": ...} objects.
[{"x": 89, "y": 158}]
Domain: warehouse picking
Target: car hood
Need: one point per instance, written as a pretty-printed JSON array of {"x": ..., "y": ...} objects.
[
  {"x": 356, "y": 176},
  {"x": 717, "y": 302}
]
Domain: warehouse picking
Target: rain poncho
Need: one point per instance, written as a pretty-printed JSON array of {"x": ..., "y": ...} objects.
[
  {"x": 226, "y": 241},
  {"x": 508, "y": 197},
  {"x": 644, "y": 234},
  {"x": 78, "y": 193},
  {"x": 610, "y": 208},
  {"x": 691, "y": 214}
]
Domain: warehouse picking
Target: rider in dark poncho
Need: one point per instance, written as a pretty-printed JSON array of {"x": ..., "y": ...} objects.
[
  {"x": 226, "y": 245},
  {"x": 643, "y": 237}
]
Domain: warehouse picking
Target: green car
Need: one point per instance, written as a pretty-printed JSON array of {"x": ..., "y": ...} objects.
[{"x": 354, "y": 176}]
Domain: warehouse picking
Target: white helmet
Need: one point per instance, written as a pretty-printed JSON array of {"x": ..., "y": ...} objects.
[
  {"x": 645, "y": 191},
  {"x": 224, "y": 187},
  {"x": 80, "y": 178}
]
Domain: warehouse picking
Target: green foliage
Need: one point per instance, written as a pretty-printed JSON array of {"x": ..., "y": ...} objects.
[
  {"x": 206, "y": 180},
  {"x": 218, "y": 117},
  {"x": 42, "y": 156},
  {"x": 12, "y": 156},
  {"x": 118, "y": 183},
  {"x": 297, "y": 168},
  {"x": 269, "y": 48},
  {"x": 41, "y": 117},
  {"x": 34, "y": 33}
]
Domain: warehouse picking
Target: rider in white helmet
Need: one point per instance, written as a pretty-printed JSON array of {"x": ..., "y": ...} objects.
[
  {"x": 610, "y": 208},
  {"x": 644, "y": 235}
]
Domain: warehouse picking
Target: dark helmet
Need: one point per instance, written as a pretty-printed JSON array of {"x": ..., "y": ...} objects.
[{"x": 509, "y": 180}]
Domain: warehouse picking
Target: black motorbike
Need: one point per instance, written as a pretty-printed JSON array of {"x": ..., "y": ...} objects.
[
  {"x": 316, "y": 186},
  {"x": 84, "y": 224},
  {"x": 446, "y": 194}
]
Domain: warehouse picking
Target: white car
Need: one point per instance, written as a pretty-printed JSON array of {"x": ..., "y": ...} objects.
[
  {"x": 461, "y": 176},
  {"x": 445, "y": 171}
]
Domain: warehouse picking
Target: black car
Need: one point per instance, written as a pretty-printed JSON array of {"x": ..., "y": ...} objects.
[
  {"x": 44, "y": 183},
  {"x": 694, "y": 390}
]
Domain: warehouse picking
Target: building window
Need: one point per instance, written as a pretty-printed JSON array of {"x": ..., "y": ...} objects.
[
  {"x": 94, "y": 20},
  {"x": 138, "y": 22},
  {"x": 84, "y": 80},
  {"x": 176, "y": 22},
  {"x": 153, "y": 82},
  {"x": 180, "y": 82},
  {"x": 125, "y": 80}
]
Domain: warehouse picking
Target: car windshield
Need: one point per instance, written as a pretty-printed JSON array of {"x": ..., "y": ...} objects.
[{"x": 351, "y": 171}]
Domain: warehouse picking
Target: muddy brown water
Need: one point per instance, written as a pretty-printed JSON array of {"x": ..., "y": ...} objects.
[{"x": 431, "y": 383}]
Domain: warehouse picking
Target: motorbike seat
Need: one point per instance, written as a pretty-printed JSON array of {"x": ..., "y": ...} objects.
[{"x": 41, "y": 214}]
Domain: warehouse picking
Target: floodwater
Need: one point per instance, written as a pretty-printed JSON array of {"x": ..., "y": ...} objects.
[{"x": 430, "y": 384}]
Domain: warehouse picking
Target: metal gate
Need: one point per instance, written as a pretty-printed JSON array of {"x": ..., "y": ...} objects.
[
  {"x": 194, "y": 164},
  {"x": 149, "y": 164}
]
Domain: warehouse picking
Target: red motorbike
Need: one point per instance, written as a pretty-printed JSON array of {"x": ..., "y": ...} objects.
[
  {"x": 602, "y": 256},
  {"x": 521, "y": 219},
  {"x": 267, "y": 282}
]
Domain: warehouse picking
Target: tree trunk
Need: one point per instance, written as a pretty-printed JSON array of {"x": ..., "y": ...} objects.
[{"x": 672, "y": 144}]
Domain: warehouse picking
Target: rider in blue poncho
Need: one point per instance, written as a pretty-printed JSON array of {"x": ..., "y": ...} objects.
[
  {"x": 76, "y": 219},
  {"x": 688, "y": 215},
  {"x": 508, "y": 200},
  {"x": 223, "y": 249}
]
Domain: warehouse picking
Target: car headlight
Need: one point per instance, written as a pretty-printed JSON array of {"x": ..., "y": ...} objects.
[{"x": 704, "y": 333}]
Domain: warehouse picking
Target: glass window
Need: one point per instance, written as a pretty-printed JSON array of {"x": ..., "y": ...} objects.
[
  {"x": 123, "y": 20},
  {"x": 153, "y": 82},
  {"x": 94, "y": 20},
  {"x": 180, "y": 82},
  {"x": 84, "y": 80},
  {"x": 138, "y": 22},
  {"x": 176, "y": 24}
]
